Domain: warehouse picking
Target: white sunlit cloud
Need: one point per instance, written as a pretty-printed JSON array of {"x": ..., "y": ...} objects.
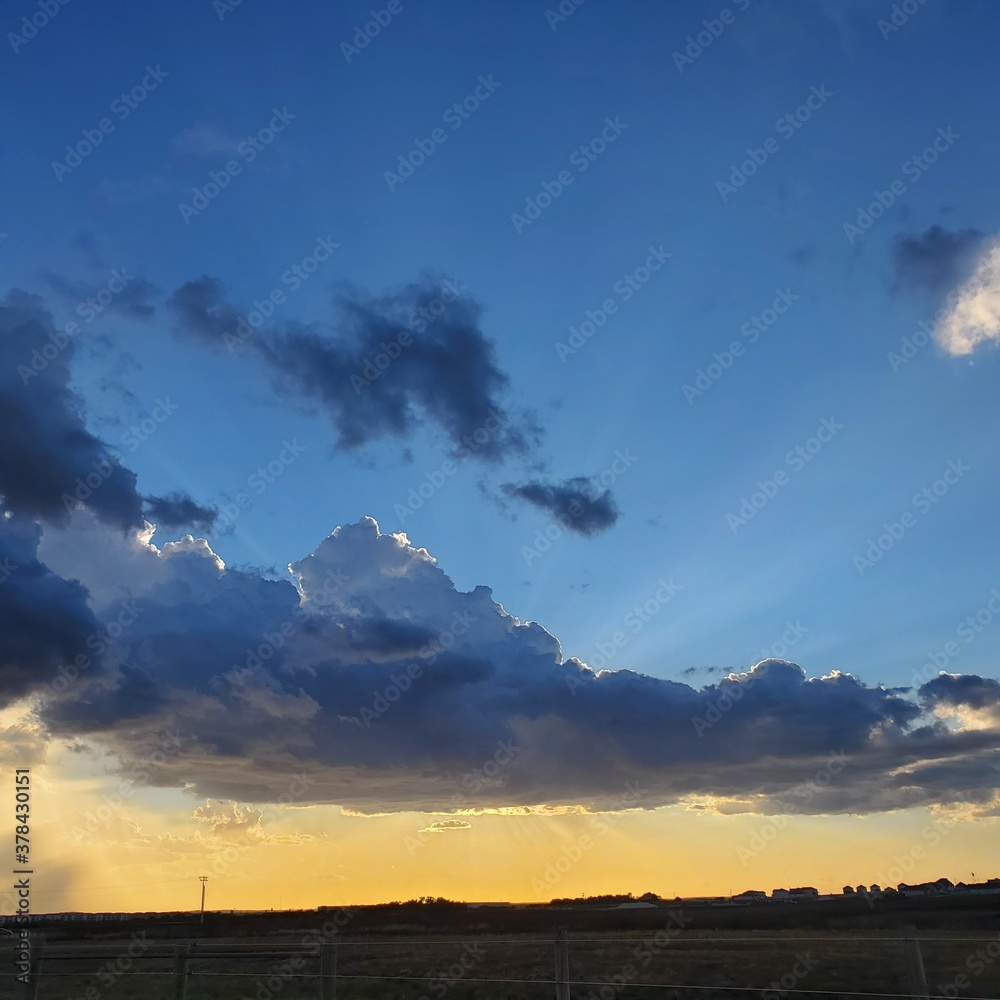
[{"x": 974, "y": 318}]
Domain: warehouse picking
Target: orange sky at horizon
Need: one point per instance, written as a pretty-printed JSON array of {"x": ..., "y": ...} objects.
[{"x": 145, "y": 853}]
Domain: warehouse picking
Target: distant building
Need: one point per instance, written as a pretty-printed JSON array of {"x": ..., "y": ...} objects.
[
  {"x": 848, "y": 890},
  {"x": 780, "y": 894},
  {"x": 804, "y": 892},
  {"x": 751, "y": 894}
]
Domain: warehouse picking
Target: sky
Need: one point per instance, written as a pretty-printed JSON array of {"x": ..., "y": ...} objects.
[{"x": 498, "y": 451}]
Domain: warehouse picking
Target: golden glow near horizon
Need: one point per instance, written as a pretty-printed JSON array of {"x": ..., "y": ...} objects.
[{"x": 95, "y": 852}]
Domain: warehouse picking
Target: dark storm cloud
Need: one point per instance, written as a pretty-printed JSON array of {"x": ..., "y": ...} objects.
[
  {"x": 386, "y": 366},
  {"x": 934, "y": 260},
  {"x": 177, "y": 510},
  {"x": 576, "y": 504},
  {"x": 48, "y": 458},
  {"x": 385, "y": 685},
  {"x": 958, "y": 690},
  {"x": 49, "y": 462},
  {"x": 44, "y": 619}
]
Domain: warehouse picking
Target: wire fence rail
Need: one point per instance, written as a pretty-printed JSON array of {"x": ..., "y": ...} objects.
[{"x": 343, "y": 968}]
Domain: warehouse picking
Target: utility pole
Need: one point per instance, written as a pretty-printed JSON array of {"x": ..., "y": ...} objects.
[{"x": 203, "y": 879}]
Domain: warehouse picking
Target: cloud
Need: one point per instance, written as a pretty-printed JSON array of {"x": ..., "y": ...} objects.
[
  {"x": 447, "y": 825},
  {"x": 964, "y": 692},
  {"x": 45, "y": 620},
  {"x": 50, "y": 463},
  {"x": 575, "y": 503},
  {"x": 178, "y": 510},
  {"x": 385, "y": 366},
  {"x": 230, "y": 816},
  {"x": 48, "y": 458},
  {"x": 936, "y": 259},
  {"x": 974, "y": 316},
  {"x": 372, "y": 683}
]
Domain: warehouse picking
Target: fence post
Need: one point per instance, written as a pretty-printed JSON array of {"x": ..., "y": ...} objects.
[
  {"x": 181, "y": 953},
  {"x": 38, "y": 946},
  {"x": 562, "y": 965},
  {"x": 328, "y": 972},
  {"x": 915, "y": 974}
]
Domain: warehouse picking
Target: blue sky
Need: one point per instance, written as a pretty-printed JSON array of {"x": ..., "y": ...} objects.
[
  {"x": 654, "y": 186},
  {"x": 729, "y": 275}
]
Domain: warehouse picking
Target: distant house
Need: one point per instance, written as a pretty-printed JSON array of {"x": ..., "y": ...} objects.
[
  {"x": 804, "y": 892},
  {"x": 934, "y": 888},
  {"x": 848, "y": 890},
  {"x": 780, "y": 894},
  {"x": 750, "y": 895}
]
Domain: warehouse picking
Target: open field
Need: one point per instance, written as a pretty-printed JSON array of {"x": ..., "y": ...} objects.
[{"x": 666, "y": 952}]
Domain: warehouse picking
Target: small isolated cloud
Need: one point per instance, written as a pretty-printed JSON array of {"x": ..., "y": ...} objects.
[
  {"x": 974, "y": 316},
  {"x": 204, "y": 139},
  {"x": 178, "y": 510},
  {"x": 446, "y": 826},
  {"x": 934, "y": 260},
  {"x": 576, "y": 504}
]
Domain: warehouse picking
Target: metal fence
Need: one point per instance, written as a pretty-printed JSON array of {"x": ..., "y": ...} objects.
[{"x": 679, "y": 965}]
